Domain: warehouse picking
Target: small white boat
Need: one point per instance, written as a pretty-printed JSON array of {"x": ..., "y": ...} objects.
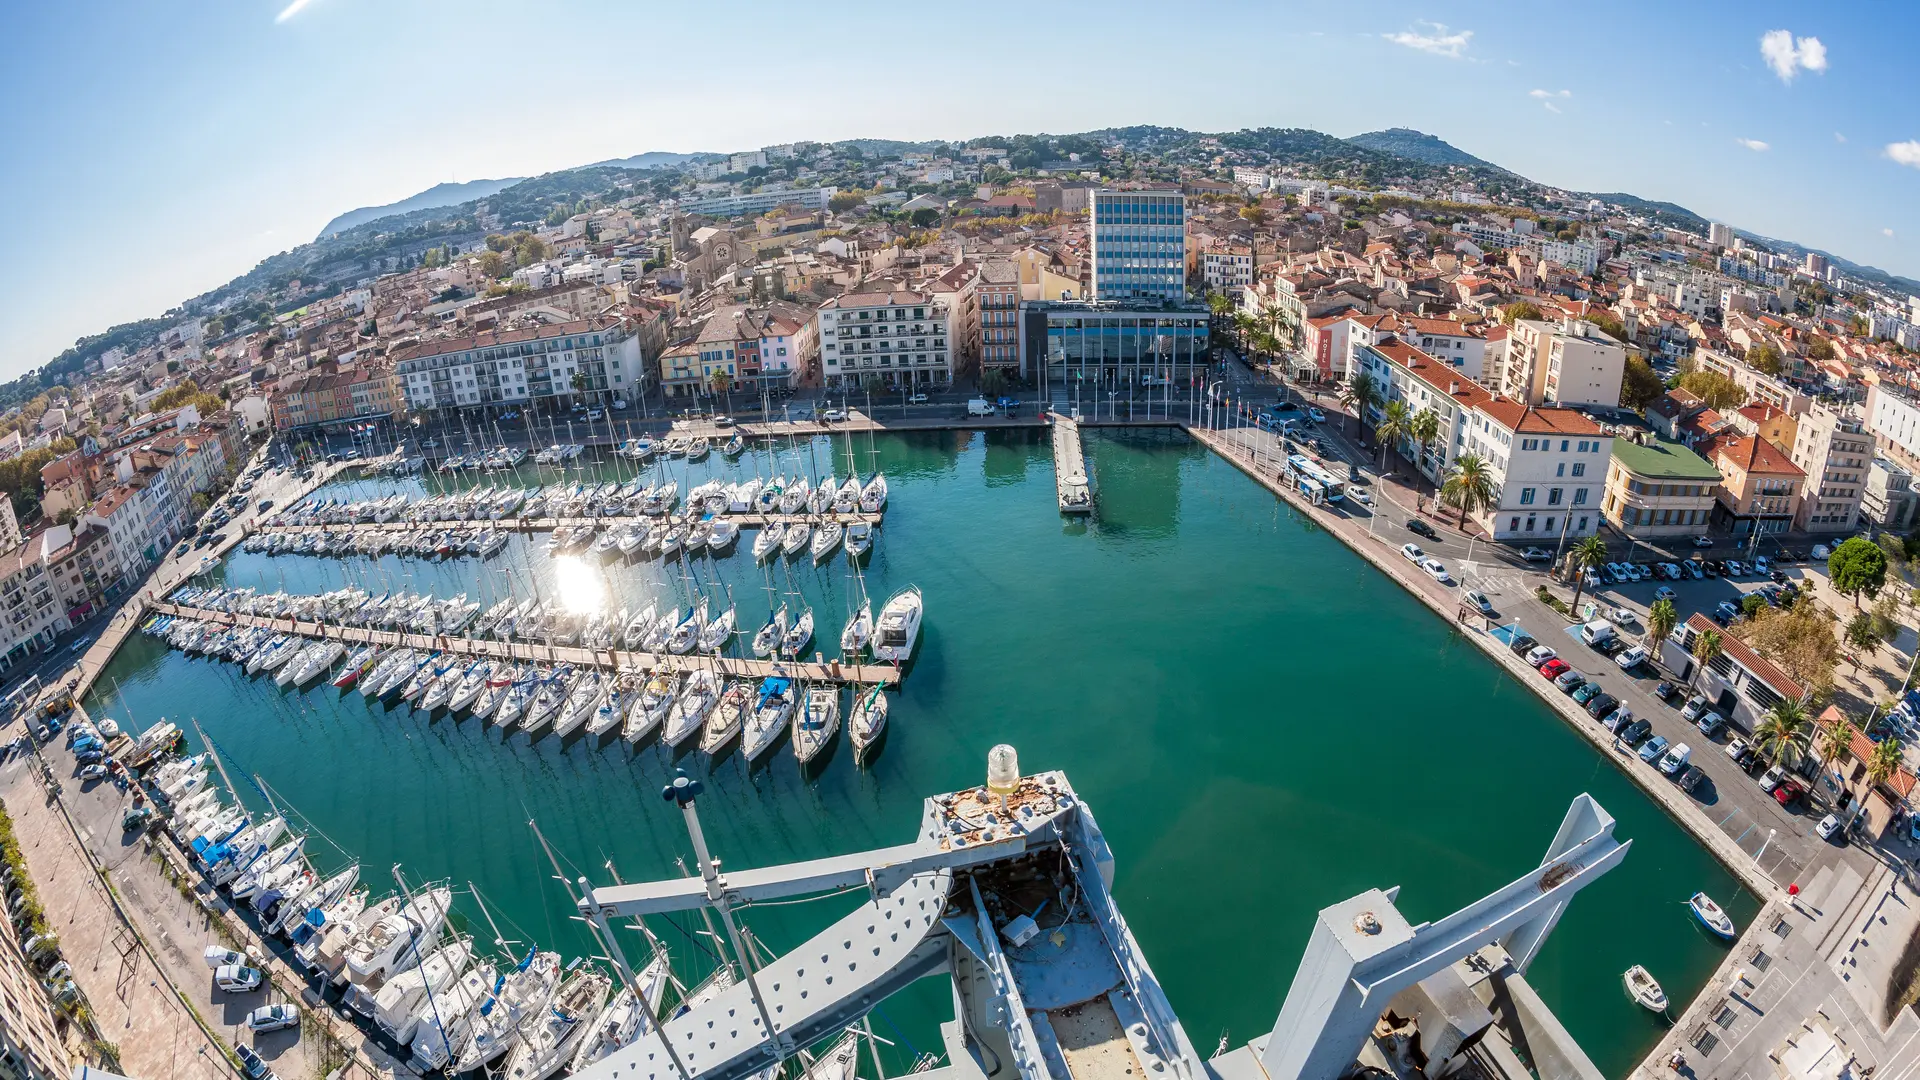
[
  {"x": 768, "y": 541},
  {"x": 1711, "y": 915},
  {"x": 656, "y": 698},
  {"x": 899, "y": 627},
  {"x": 798, "y": 533},
  {"x": 723, "y": 535},
  {"x": 771, "y": 709},
  {"x": 728, "y": 717},
  {"x": 858, "y": 632},
  {"x": 868, "y": 722},
  {"x": 859, "y": 540},
  {"x": 689, "y": 713},
  {"x": 1644, "y": 989},
  {"x": 550, "y": 1041},
  {"x": 769, "y": 636},
  {"x": 815, "y": 725},
  {"x": 715, "y": 635},
  {"x": 798, "y": 636},
  {"x": 873, "y": 497},
  {"x": 826, "y": 539},
  {"x": 627, "y": 1017}
]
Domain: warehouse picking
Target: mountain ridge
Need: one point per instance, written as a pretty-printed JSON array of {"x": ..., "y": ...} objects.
[{"x": 435, "y": 197}]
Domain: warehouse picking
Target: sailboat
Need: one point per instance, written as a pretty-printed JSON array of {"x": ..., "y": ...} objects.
[
  {"x": 715, "y": 635},
  {"x": 551, "y": 1041},
  {"x": 727, "y": 717},
  {"x": 795, "y": 640},
  {"x": 520, "y": 996},
  {"x": 769, "y": 539},
  {"x": 771, "y": 634},
  {"x": 771, "y": 709},
  {"x": 826, "y": 539},
  {"x": 655, "y": 699},
  {"x": 868, "y": 721},
  {"x": 873, "y": 497},
  {"x": 626, "y": 1017},
  {"x": 690, "y": 711},
  {"x": 795, "y": 541},
  {"x": 815, "y": 725},
  {"x": 858, "y": 632}
]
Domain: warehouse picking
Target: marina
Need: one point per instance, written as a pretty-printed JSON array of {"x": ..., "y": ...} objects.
[{"x": 1183, "y": 673}]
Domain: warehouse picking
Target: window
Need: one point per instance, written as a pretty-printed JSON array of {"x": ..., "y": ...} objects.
[
  {"x": 1553, "y": 496},
  {"x": 1579, "y": 496},
  {"x": 1529, "y": 444},
  {"x": 1579, "y": 468},
  {"x": 1560, "y": 469},
  {"x": 1526, "y": 496}
]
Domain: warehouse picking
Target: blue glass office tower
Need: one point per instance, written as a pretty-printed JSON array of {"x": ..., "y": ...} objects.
[{"x": 1139, "y": 245}]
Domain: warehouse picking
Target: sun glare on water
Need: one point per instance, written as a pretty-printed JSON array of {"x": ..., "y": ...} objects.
[{"x": 582, "y": 590}]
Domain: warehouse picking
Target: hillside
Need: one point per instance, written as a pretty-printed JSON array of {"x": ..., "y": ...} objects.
[
  {"x": 652, "y": 159},
  {"x": 1418, "y": 146},
  {"x": 433, "y": 198}
]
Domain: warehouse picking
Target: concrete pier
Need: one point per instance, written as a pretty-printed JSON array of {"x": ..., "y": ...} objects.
[{"x": 1070, "y": 483}]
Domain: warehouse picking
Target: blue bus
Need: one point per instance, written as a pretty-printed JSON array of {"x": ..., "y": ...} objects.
[{"x": 1303, "y": 468}]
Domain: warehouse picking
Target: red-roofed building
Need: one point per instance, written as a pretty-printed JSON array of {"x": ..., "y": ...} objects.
[
  {"x": 1739, "y": 684},
  {"x": 1847, "y": 780},
  {"x": 1759, "y": 484}
]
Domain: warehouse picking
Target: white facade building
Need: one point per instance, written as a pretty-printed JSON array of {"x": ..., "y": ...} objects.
[
  {"x": 589, "y": 359},
  {"x": 900, "y": 336}
]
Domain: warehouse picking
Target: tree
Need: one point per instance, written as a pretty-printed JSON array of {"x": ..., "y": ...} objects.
[
  {"x": 1219, "y": 303},
  {"x": 1424, "y": 428},
  {"x": 1662, "y": 620},
  {"x": 1254, "y": 214},
  {"x": 1585, "y": 555},
  {"x": 1834, "y": 741},
  {"x": 1706, "y": 646},
  {"x": 1609, "y": 323},
  {"x": 925, "y": 218},
  {"x": 493, "y": 264},
  {"x": 1469, "y": 486},
  {"x": 1639, "y": 386},
  {"x": 1524, "y": 309},
  {"x": 844, "y": 201},
  {"x": 1359, "y": 393},
  {"x": 1766, "y": 360},
  {"x": 1863, "y": 633},
  {"x": 1396, "y": 423},
  {"x": 1717, "y": 390},
  {"x": 1800, "y": 639},
  {"x": 1886, "y": 760},
  {"x": 993, "y": 380},
  {"x": 1857, "y": 566},
  {"x": 1781, "y": 734},
  {"x": 1820, "y": 350}
]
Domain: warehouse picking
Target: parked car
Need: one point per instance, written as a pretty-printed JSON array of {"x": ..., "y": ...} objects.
[
  {"x": 1586, "y": 692},
  {"x": 1413, "y": 553},
  {"x": 1632, "y": 658},
  {"x": 1479, "y": 601},
  {"x": 266, "y": 505},
  {"x": 1695, "y": 705},
  {"x": 1703, "y": 541},
  {"x": 1726, "y": 612},
  {"x": 1601, "y": 703},
  {"x": 917, "y": 399},
  {"x": 1665, "y": 592},
  {"x": 1779, "y": 577},
  {"x": 1314, "y": 414},
  {"x": 273, "y": 1017},
  {"x": 1436, "y": 570},
  {"x": 218, "y": 957},
  {"x": 1691, "y": 778},
  {"x": 1522, "y": 644},
  {"x": 1737, "y": 749},
  {"x": 1772, "y": 779},
  {"x": 1829, "y": 828},
  {"x": 1534, "y": 554},
  {"x": 236, "y": 978},
  {"x": 833, "y": 416},
  {"x": 727, "y": 421},
  {"x": 1569, "y": 680},
  {"x": 252, "y": 1064},
  {"x": 1553, "y": 669},
  {"x": 1693, "y": 570},
  {"x": 1665, "y": 691},
  {"x": 1788, "y": 793},
  {"x": 1710, "y": 723},
  {"x": 1675, "y": 759},
  {"x": 1634, "y": 732},
  {"x": 1421, "y": 528},
  {"x": 1540, "y": 654},
  {"x": 1360, "y": 496},
  {"x": 1820, "y": 551},
  {"x": 1651, "y": 750}
]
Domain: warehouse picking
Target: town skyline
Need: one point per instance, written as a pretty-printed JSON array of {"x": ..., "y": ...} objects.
[{"x": 1813, "y": 115}]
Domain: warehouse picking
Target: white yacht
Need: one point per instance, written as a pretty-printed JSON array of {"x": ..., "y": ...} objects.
[
  {"x": 727, "y": 717},
  {"x": 516, "y": 1002},
  {"x": 769, "y": 539},
  {"x": 899, "y": 627},
  {"x": 873, "y": 497},
  {"x": 826, "y": 539},
  {"x": 771, "y": 710},
  {"x": 550, "y": 1042},
  {"x": 798, "y": 636},
  {"x": 656, "y": 698},
  {"x": 395, "y": 1007},
  {"x": 857, "y": 633},
  {"x": 625, "y": 1018},
  {"x": 444, "y": 1022}
]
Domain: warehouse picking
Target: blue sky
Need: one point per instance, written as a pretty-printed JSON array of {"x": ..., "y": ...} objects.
[{"x": 157, "y": 150}]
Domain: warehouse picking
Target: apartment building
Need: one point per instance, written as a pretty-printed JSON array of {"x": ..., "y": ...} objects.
[
  {"x": 1139, "y": 245},
  {"x": 759, "y": 202},
  {"x": 1227, "y": 270},
  {"x": 328, "y": 397},
  {"x": 1760, "y": 387},
  {"x": 1658, "y": 488},
  {"x": 1889, "y": 499},
  {"x": 1571, "y": 362},
  {"x": 546, "y": 365},
  {"x": 1548, "y": 463},
  {"x": 10, "y": 536},
  {"x": 30, "y": 614},
  {"x": 1111, "y": 345},
  {"x": 1834, "y": 450},
  {"x": 897, "y": 335},
  {"x": 998, "y": 293},
  {"x": 1759, "y": 484},
  {"x": 82, "y": 565},
  {"x": 30, "y": 1045}
]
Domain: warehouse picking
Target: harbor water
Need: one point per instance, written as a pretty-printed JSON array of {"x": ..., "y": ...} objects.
[{"x": 1262, "y": 723}]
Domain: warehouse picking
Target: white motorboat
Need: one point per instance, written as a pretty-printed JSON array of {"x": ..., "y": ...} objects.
[
  {"x": 798, "y": 636},
  {"x": 520, "y": 997},
  {"x": 312, "y": 909},
  {"x": 325, "y": 953},
  {"x": 898, "y": 628},
  {"x": 551, "y": 1040},
  {"x": 727, "y": 717},
  {"x": 815, "y": 725},
  {"x": 826, "y": 539},
  {"x": 868, "y": 721},
  {"x": 443, "y": 1024},
  {"x": 1711, "y": 915},
  {"x": 388, "y": 945},
  {"x": 690, "y": 710},
  {"x": 395, "y": 1007},
  {"x": 1644, "y": 989},
  {"x": 637, "y": 627},
  {"x": 722, "y": 536}
]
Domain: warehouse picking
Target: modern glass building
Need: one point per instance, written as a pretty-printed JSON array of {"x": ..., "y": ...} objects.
[
  {"x": 1113, "y": 345},
  {"x": 1139, "y": 244}
]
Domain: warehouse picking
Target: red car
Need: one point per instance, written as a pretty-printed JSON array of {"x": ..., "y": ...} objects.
[
  {"x": 1787, "y": 792},
  {"x": 1554, "y": 668}
]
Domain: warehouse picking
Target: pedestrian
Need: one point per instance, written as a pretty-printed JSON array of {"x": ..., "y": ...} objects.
[{"x": 1677, "y": 1062}]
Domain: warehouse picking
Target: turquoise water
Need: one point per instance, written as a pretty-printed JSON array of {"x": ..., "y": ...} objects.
[{"x": 1262, "y": 722}]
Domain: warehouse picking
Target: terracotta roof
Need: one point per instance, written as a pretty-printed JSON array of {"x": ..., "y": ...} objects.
[
  {"x": 1751, "y": 454},
  {"x": 1900, "y": 783},
  {"x": 1442, "y": 378},
  {"x": 1538, "y": 420},
  {"x": 1738, "y": 651}
]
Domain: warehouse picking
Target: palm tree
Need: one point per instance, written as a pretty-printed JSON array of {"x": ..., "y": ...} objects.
[
  {"x": 1396, "y": 423},
  {"x": 1781, "y": 735},
  {"x": 1423, "y": 429},
  {"x": 1835, "y": 741},
  {"x": 1662, "y": 619},
  {"x": 1244, "y": 326},
  {"x": 1886, "y": 760},
  {"x": 1469, "y": 486},
  {"x": 1586, "y": 554},
  {"x": 1359, "y": 393},
  {"x": 1706, "y": 646}
]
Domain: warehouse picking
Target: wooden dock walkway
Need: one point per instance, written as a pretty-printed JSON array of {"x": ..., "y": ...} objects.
[
  {"x": 549, "y": 524},
  {"x": 816, "y": 670},
  {"x": 1070, "y": 483}
]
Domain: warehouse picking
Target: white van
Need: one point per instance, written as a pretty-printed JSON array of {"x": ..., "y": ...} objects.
[
  {"x": 979, "y": 407},
  {"x": 1675, "y": 759},
  {"x": 1598, "y": 632}
]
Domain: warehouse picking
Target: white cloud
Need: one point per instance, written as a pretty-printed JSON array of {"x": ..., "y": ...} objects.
[
  {"x": 1752, "y": 144},
  {"x": 1544, "y": 94},
  {"x": 1788, "y": 56},
  {"x": 291, "y": 10},
  {"x": 1453, "y": 46},
  {"x": 1905, "y": 153},
  {"x": 1551, "y": 107},
  {"x": 1886, "y": 232}
]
